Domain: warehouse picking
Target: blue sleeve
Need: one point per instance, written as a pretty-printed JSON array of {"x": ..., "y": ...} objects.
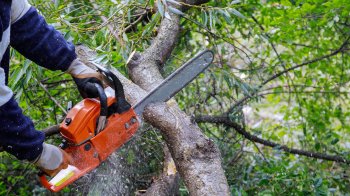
[
  {"x": 41, "y": 43},
  {"x": 17, "y": 133}
]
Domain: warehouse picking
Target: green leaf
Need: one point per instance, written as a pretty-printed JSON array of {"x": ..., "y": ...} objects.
[
  {"x": 174, "y": 2},
  {"x": 286, "y": 3},
  {"x": 236, "y": 12},
  {"x": 125, "y": 37},
  {"x": 317, "y": 146},
  {"x": 226, "y": 16},
  {"x": 235, "y": 2},
  {"x": 318, "y": 182},
  {"x": 264, "y": 182},
  {"x": 334, "y": 141},
  {"x": 175, "y": 11},
  {"x": 28, "y": 76},
  {"x": 160, "y": 8},
  {"x": 205, "y": 18}
]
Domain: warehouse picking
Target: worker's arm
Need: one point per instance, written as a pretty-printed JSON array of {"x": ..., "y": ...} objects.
[
  {"x": 41, "y": 43},
  {"x": 19, "y": 137},
  {"x": 17, "y": 133},
  {"x": 38, "y": 41}
]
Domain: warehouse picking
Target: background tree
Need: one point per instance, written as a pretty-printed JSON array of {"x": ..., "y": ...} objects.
[{"x": 279, "y": 80}]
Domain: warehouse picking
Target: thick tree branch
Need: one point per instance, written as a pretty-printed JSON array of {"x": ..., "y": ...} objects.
[
  {"x": 225, "y": 121},
  {"x": 197, "y": 158},
  {"x": 114, "y": 183}
]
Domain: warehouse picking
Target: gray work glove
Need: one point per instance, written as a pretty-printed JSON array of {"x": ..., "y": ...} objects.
[
  {"x": 52, "y": 160},
  {"x": 85, "y": 78}
]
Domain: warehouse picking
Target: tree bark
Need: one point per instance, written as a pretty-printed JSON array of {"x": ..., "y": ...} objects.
[{"x": 197, "y": 158}]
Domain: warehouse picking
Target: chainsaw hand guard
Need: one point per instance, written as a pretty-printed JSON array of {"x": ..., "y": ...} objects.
[{"x": 121, "y": 105}]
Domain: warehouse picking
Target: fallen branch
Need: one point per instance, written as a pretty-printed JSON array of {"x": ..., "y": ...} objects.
[
  {"x": 197, "y": 158},
  {"x": 225, "y": 121}
]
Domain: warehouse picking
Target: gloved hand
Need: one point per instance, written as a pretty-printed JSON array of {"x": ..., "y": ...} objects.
[
  {"x": 84, "y": 76},
  {"x": 52, "y": 160},
  {"x": 86, "y": 79}
]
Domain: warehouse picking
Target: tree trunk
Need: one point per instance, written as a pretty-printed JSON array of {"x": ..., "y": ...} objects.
[{"x": 197, "y": 158}]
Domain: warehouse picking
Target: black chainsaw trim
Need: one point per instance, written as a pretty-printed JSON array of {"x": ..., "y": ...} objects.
[{"x": 121, "y": 105}]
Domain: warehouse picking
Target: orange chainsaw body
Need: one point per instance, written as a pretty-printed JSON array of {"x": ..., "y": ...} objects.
[{"x": 87, "y": 149}]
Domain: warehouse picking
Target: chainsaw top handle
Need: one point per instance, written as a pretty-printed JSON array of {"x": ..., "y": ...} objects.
[{"x": 121, "y": 105}]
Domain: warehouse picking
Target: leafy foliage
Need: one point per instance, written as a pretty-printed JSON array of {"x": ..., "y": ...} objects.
[{"x": 288, "y": 58}]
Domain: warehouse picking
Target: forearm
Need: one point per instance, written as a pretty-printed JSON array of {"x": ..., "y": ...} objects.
[
  {"x": 17, "y": 133},
  {"x": 40, "y": 42}
]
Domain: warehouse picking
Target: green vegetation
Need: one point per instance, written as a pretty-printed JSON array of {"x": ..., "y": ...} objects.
[{"x": 281, "y": 73}]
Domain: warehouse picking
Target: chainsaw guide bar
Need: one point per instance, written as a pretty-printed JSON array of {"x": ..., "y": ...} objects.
[
  {"x": 89, "y": 143},
  {"x": 176, "y": 81}
]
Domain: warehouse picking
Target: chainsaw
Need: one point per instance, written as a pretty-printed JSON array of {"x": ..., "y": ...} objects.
[{"x": 96, "y": 127}]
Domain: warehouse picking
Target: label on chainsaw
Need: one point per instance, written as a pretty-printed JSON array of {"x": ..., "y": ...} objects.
[{"x": 63, "y": 175}]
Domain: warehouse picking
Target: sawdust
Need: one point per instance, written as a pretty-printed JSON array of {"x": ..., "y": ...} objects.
[{"x": 121, "y": 174}]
